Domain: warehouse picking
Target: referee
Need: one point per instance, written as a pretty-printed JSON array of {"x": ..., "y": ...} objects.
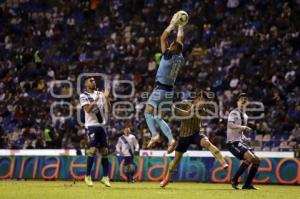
[
  {"x": 93, "y": 103},
  {"x": 237, "y": 143}
]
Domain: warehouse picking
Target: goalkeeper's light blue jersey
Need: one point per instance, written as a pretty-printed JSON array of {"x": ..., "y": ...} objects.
[{"x": 169, "y": 67}]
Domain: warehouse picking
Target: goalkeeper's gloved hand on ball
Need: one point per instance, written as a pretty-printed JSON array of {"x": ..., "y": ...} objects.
[{"x": 175, "y": 19}]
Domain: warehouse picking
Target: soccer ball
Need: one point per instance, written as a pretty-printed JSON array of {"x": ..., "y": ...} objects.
[{"x": 183, "y": 18}]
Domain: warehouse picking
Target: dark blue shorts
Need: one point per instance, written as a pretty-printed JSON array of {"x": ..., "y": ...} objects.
[
  {"x": 184, "y": 142},
  {"x": 128, "y": 160},
  {"x": 96, "y": 136},
  {"x": 238, "y": 149}
]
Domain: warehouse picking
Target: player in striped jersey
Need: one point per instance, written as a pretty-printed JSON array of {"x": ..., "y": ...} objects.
[
  {"x": 190, "y": 134},
  {"x": 237, "y": 143},
  {"x": 127, "y": 146},
  {"x": 93, "y": 103}
]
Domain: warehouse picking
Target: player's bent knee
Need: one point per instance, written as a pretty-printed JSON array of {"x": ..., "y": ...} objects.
[
  {"x": 178, "y": 156},
  {"x": 205, "y": 143},
  {"x": 256, "y": 160},
  {"x": 149, "y": 109},
  {"x": 104, "y": 151},
  {"x": 252, "y": 160},
  {"x": 91, "y": 151},
  {"x": 249, "y": 156}
]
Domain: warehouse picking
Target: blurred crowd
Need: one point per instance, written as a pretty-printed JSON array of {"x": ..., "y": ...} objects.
[{"x": 230, "y": 46}]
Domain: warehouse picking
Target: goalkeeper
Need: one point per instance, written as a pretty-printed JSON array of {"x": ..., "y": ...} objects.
[{"x": 162, "y": 95}]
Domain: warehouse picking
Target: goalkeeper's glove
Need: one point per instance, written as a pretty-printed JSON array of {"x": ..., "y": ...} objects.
[{"x": 175, "y": 19}]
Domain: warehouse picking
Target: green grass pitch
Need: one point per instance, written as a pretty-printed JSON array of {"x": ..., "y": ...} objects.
[{"x": 11, "y": 189}]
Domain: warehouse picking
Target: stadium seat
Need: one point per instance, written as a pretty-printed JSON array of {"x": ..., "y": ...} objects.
[
  {"x": 291, "y": 137},
  {"x": 266, "y": 149},
  {"x": 283, "y": 144},
  {"x": 258, "y": 140},
  {"x": 275, "y": 143},
  {"x": 276, "y": 136},
  {"x": 267, "y": 144},
  {"x": 286, "y": 149},
  {"x": 275, "y": 149},
  {"x": 256, "y": 143},
  {"x": 292, "y": 144},
  {"x": 257, "y": 148},
  {"x": 285, "y": 137},
  {"x": 259, "y": 137},
  {"x": 267, "y": 138}
]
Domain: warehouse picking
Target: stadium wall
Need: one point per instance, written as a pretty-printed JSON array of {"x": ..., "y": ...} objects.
[{"x": 198, "y": 169}]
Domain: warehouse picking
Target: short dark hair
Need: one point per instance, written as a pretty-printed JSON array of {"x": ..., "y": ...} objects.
[
  {"x": 180, "y": 46},
  {"x": 86, "y": 78},
  {"x": 242, "y": 95}
]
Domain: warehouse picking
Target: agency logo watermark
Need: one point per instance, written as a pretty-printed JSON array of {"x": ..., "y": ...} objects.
[{"x": 202, "y": 105}]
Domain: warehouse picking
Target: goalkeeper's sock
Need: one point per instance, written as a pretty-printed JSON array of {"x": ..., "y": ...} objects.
[
  {"x": 240, "y": 171},
  {"x": 165, "y": 129},
  {"x": 89, "y": 165},
  {"x": 105, "y": 164},
  {"x": 151, "y": 123}
]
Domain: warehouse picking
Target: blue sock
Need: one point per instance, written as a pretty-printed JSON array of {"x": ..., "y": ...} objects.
[
  {"x": 252, "y": 173},
  {"x": 104, "y": 163},
  {"x": 150, "y": 120},
  {"x": 240, "y": 171},
  {"x": 165, "y": 129},
  {"x": 89, "y": 165}
]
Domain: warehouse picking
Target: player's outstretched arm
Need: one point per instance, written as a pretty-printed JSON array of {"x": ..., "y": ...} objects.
[
  {"x": 237, "y": 126},
  {"x": 182, "y": 112},
  {"x": 180, "y": 35},
  {"x": 164, "y": 38},
  {"x": 107, "y": 101},
  {"x": 166, "y": 33}
]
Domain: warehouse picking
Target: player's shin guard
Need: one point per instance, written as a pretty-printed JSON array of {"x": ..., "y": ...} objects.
[
  {"x": 241, "y": 170},
  {"x": 131, "y": 172},
  {"x": 89, "y": 165},
  {"x": 165, "y": 129},
  {"x": 172, "y": 168},
  {"x": 251, "y": 175},
  {"x": 150, "y": 120},
  {"x": 127, "y": 173},
  {"x": 105, "y": 165}
]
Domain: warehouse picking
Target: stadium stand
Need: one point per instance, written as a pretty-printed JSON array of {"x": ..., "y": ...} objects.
[{"x": 230, "y": 46}]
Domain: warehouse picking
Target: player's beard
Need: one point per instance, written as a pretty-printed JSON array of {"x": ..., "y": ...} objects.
[
  {"x": 244, "y": 106},
  {"x": 92, "y": 87}
]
